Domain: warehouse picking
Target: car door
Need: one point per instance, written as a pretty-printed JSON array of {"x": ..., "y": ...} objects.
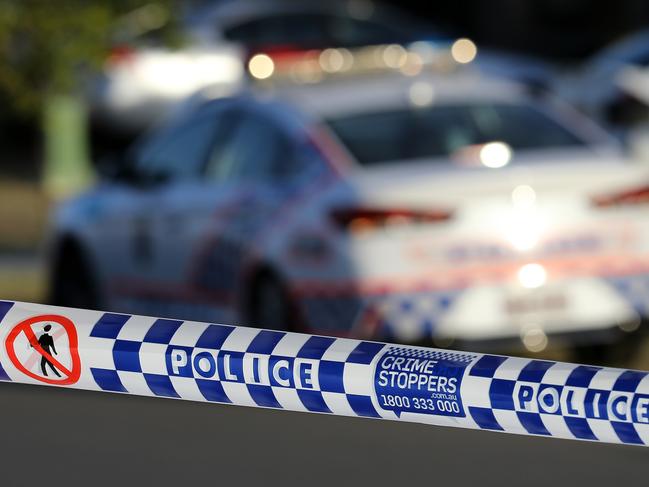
[
  {"x": 205, "y": 199},
  {"x": 168, "y": 168},
  {"x": 237, "y": 182}
]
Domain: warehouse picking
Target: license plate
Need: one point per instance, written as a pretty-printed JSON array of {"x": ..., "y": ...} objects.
[{"x": 536, "y": 302}]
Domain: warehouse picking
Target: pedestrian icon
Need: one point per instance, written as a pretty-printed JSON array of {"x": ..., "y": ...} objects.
[
  {"x": 45, "y": 348},
  {"x": 47, "y": 343}
]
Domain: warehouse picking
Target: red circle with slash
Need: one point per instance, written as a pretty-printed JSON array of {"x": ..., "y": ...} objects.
[{"x": 71, "y": 375}]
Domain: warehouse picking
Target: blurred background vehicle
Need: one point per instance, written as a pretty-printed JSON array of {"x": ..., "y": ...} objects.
[
  {"x": 431, "y": 208},
  {"x": 143, "y": 78},
  {"x": 461, "y": 82},
  {"x": 597, "y": 86}
]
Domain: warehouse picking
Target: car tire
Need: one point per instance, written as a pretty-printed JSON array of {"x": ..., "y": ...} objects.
[
  {"x": 72, "y": 283},
  {"x": 621, "y": 353},
  {"x": 270, "y": 305}
]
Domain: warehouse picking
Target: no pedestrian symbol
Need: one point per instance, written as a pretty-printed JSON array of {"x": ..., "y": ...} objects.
[{"x": 45, "y": 348}]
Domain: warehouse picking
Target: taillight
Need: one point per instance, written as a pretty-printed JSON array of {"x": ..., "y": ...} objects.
[
  {"x": 120, "y": 54},
  {"x": 282, "y": 52},
  {"x": 364, "y": 219},
  {"x": 637, "y": 196},
  {"x": 279, "y": 59}
]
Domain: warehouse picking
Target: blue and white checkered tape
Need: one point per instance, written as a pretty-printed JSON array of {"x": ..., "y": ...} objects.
[{"x": 276, "y": 369}]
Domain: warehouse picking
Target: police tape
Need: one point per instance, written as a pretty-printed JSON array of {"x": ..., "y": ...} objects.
[{"x": 275, "y": 369}]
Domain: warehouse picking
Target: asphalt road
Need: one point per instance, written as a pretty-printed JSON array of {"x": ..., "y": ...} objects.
[{"x": 55, "y": 437}]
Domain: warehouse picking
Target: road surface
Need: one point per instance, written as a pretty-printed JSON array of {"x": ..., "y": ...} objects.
[{"x": 57, "y": 437}]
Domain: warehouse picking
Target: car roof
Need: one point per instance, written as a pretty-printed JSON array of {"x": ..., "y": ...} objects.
[
  {"x": 228, "y": 13},
  {"x": 626, "y": 48},
  {"x": 221, "y": 16},
  {"x": 347, "y": 95}
]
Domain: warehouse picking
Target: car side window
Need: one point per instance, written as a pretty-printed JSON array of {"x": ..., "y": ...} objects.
[
  {"x": 255, "y": 149},
  {"x": 178, "y": 153}
]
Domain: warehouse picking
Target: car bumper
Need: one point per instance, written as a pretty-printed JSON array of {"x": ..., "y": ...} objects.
[{"x": 583, "y": 310}]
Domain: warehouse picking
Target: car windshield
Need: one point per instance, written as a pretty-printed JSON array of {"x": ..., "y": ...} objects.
[{"x": 442, "y": 130}]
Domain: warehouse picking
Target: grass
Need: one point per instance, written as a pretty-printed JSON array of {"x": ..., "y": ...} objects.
[
  {"x": 23, "y": 283},
  {"x": 23, "y": 216}
]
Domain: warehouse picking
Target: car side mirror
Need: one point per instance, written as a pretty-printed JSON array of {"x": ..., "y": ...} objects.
[{"x": 118, "y": 168}]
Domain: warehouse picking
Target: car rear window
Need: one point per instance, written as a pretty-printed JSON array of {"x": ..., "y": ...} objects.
[
  {"x": 312, "y": 30},
  {"x": 441, "y": 130}
]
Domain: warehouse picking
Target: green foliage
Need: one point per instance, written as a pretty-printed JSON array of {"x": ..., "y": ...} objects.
[{"x": 50, "y": 46}]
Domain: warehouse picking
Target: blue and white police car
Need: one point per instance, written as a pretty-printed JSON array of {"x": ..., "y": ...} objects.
[{"x": 405, "y": 207}]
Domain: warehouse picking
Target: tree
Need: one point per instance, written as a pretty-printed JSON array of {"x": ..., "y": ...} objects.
[
  {"x": 51, "y": 47},
  {"x": 49, "y": 51}
]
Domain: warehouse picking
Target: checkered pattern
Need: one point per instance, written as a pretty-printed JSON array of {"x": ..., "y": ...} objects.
[
  {"x": 411, "y": 317},
  {"x": 401, "y": 317},
  {"x": 432, "y": 354},
  {"x": 333, "y": 366},
  {"x": 275, "y": 369},
  {"x": 5, "y": 306},
  {"x": 556, "y": 399}
]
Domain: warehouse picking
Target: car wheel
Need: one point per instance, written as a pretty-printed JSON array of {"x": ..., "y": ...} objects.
[
  {"x": 72, "y": 282},
  {"x": 270, "y": 305}
]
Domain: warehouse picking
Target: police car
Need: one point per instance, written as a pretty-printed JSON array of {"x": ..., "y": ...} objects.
[{"x": 412, "y": 208}]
